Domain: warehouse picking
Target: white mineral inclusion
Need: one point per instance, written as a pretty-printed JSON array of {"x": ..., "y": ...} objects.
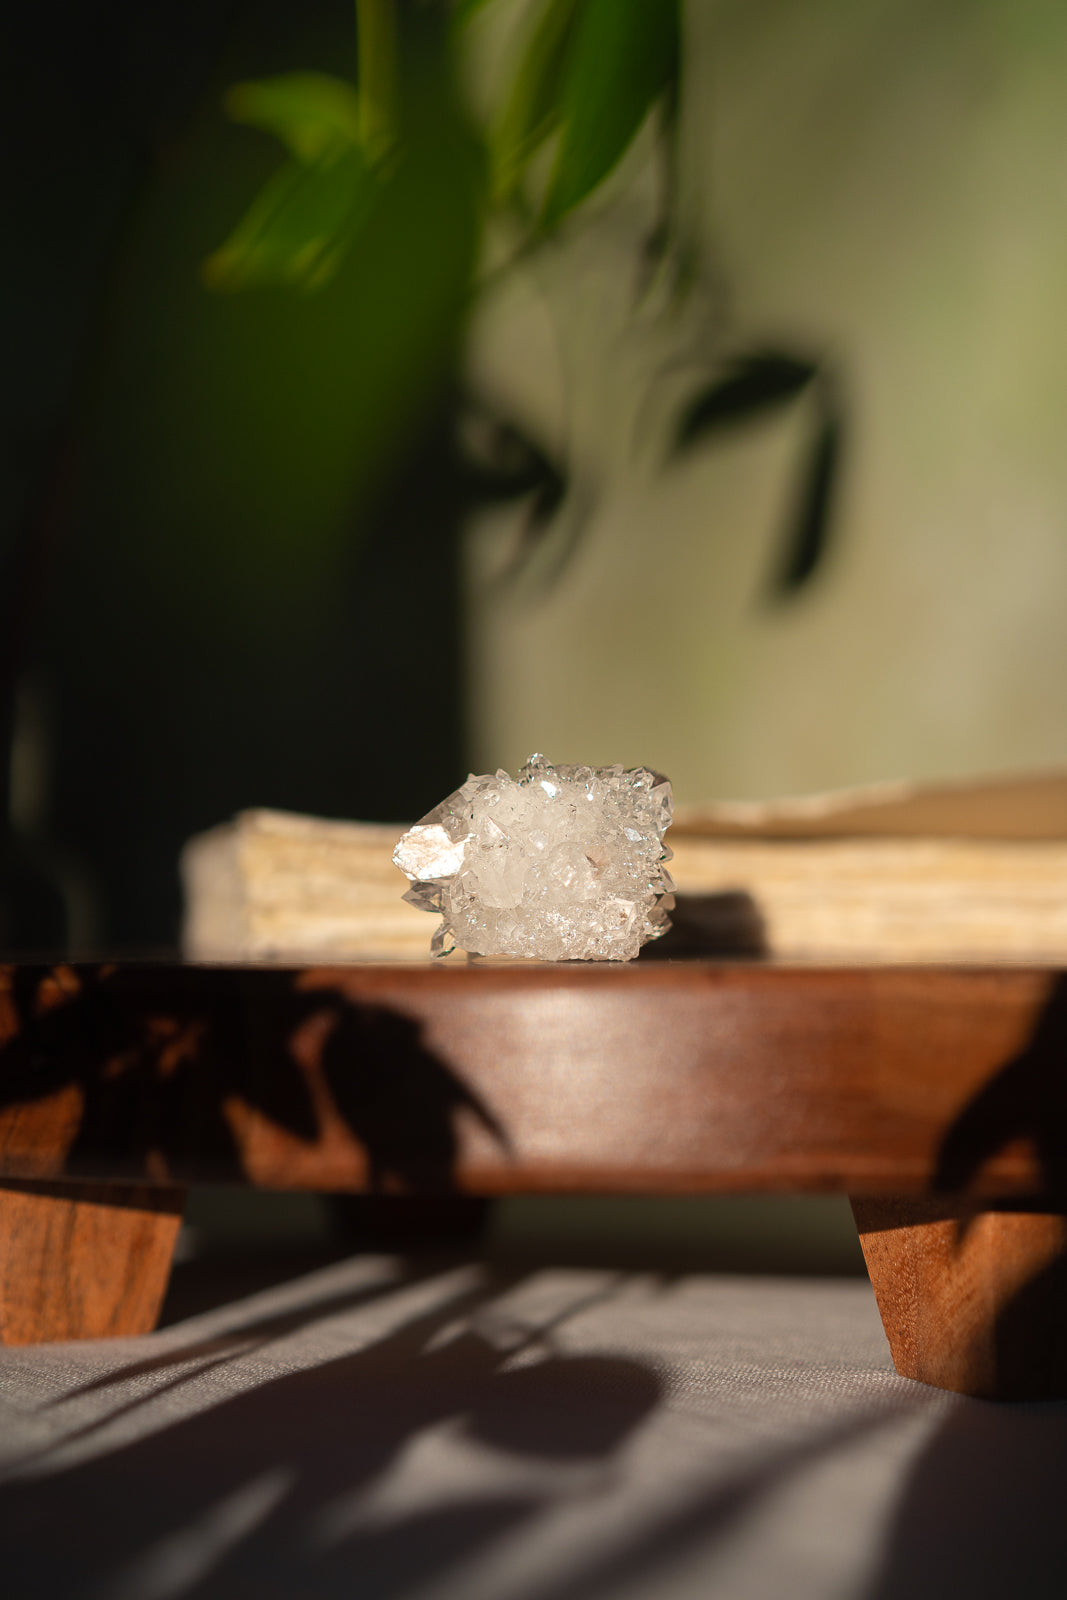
[{"x": 560, "y": 864}]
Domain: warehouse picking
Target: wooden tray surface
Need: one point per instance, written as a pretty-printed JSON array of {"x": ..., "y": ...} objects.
[{"x": 642, "y": 1078}]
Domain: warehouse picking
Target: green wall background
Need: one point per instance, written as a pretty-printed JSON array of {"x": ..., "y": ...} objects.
[{"x": 882, "y": 185}]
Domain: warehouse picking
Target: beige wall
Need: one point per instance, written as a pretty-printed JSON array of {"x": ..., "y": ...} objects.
[{"x": 887, "y": 183}]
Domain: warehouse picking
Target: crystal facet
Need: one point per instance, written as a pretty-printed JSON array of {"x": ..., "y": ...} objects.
[{"x": 562, "y": 863}]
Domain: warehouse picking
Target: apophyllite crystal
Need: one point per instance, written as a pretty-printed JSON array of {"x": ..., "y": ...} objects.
[{"x": 560, "y": 864}]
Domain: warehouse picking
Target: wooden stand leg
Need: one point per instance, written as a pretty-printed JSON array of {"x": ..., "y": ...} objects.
[
  {"x": 971, "y": 1299},
  {"x": 83, "y": 1261}
]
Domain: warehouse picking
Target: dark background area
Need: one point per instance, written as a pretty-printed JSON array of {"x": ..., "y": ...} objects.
[{"x": 202, "y": 608}]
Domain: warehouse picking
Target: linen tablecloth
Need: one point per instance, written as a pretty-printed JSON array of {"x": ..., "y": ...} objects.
[{"x": 445, "y": 1430}]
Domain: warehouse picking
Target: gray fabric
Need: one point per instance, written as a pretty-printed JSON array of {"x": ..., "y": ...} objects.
[{"x": 376, "y": 1429}]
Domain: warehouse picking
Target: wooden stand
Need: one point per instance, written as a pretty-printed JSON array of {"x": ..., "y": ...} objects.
[
  {"x": 83, "y": 1261},
  {"x": 569, "y": 1078},
  {"x": 971, "y": 1299}
]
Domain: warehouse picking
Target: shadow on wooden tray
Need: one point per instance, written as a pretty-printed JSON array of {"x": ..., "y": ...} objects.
[
  {"x": 143, "y": 1071},
  {"x": 972, "y": 1288}
]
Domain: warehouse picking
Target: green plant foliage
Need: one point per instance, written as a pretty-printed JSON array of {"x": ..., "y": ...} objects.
[
  {"x": 251, "y": 432},
  {"x": 299, "y": 225},
  {"x": 314, "y": 113},
  {"x": 376, "y": 34},
  {"x": 533, "y": 108},
  {"x": 590, "y": 71},
  {"x": 620, "y": 59},
  {"x": 382, "y": 204}
]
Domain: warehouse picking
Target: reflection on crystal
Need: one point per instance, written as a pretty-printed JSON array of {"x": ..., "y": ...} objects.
[
  {"x": 562, "y": 863},
  {"x": 426, "y": 896}
]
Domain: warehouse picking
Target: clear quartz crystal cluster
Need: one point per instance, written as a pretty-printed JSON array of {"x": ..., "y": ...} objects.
[{"x": 560, "y": 864}]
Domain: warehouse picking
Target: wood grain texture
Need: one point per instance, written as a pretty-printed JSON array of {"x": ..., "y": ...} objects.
[
  {"x": 83, "y": 1261},
  {"x": 902, "y": 1085},
  {"x": 971, "y": 1299},
  {"x": 669, "y": 1078}
]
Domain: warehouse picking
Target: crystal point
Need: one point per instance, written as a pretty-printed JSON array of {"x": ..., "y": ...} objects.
[{"x": 562, "y": 863}]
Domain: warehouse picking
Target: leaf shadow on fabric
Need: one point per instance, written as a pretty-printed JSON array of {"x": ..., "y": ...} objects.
[
  {"x": 198, "y": 1356},
  {"x": 706, "y": 1518},
  {"x": 327, "y": 1444},
  {"x": 982, "y": 1510}
]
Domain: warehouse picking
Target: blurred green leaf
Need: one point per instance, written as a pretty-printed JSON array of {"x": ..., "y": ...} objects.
[
  {"x": 377, "y": 45},
  {"x": 621, "y": 58},
  {"x": 750, "y": 386},
  {"x": 266, "y": 423},
  {"x": 298, "y": 227},
  {"x": 312, "y": 113},
  {"x": 306, "y": 214},
  {"x": 533, "y": 108}
]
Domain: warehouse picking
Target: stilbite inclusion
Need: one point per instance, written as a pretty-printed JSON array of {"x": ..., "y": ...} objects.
[{"x": 561, "y": 864}]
